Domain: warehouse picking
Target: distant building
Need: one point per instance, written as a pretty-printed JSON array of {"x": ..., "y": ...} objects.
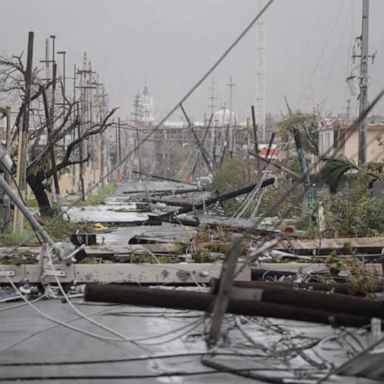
[
  {"x": 336, "y": 140},
  {"x": 222, "y": 133},
  {"x": 146, "y": 107}
]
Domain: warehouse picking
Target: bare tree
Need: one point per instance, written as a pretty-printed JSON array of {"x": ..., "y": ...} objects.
[{"x": 63, "y": 121}]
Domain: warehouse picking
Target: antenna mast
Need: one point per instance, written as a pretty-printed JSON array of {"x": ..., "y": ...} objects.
[{"x": 260, "y": 76}]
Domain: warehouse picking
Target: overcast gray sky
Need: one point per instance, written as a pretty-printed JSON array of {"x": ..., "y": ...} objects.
[{"x": 170, "y": 43}]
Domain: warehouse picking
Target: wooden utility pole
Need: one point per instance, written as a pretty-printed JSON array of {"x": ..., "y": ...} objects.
[
  {"x": 255, "y": 138},
  {"x": 21, "y": 172},
  {"x": 362, "y": 157}
]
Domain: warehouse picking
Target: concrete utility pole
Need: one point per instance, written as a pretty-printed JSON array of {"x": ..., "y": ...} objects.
[
  {"x": 50, "y": 138},
  {"x": 85, "y": 114},
  {"x": 21, "y": 171},
  {"x": 63, "y": 53},
  {"x": 119, "y": 146},
  {"x": 362, "y": 157},
  {"x": 6, "y": 208},
  {"x": 47, "y": 61},
  {"x": 103, "y": 140},
  {"x": 230, "y": 85},
  {"x": 213, "y": 107}
]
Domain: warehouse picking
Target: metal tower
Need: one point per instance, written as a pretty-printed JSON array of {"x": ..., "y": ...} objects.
[{"x": 260, "y": 76}]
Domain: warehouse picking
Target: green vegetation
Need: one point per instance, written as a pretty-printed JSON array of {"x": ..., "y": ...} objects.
[
  {"x": 58, "y": 230},
  {"x": 61, "y": 229},
  {"x": 98, "y": 197},
  {"x": 308, "y": 126},
  {"x": 234, "y": 174},
  {"x": 355, "y": 213},
  {"x": 13, "y": 239}
]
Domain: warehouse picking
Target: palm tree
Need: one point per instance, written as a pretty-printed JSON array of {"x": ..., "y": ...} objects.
[{"x": 336, "y": 168}]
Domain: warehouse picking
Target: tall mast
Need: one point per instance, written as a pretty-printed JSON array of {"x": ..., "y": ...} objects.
[
  {"x": 230, "y": 85},
  {"x": 260, "y": 77}
]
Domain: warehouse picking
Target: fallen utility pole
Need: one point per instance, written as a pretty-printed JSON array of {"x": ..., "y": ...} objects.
[
  {"x": 24, "y": 210},
  {"x": 203, "y": 142},
  {"x": 135, "y": 295},
  {"x": 162, "y": 177},
  {"x": 133, "y": 273},
  {"x": 213, "y": 200},
  {"x": 342, "y": 288},
  {"x": 198, "y": 141},
  {"x": 278, "y": 166},
  {"x": 163, "y": 192},
  {"x": 308, "y": 299}
]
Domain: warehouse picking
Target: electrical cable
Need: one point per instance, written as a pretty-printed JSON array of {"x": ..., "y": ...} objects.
[
  {"x": 37, "y": 333},
  {"x": 85, "y": 317},
  {"x": 219, "y": 370},
  {"x": 187, "y": 95},
  {"x": 57, "y": 321},
  {"x": 174, "y": 109},
  {"x": 21, "y": 198},
  {"x": 21, "y": 304},
  {"x": 349, "y": 131},
  {"x": 122, "y": 338},
  {"x": 190, "y": 326},
  {"x": 125, "y": 360},
  {"x": 318, "y": 61}
]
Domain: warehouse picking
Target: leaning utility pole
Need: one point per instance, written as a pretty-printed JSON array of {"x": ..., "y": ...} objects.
[
  {"x": 6, "y": 208},
  {"x": 119, "y": 147},
  {"x": 21, "y": 171},
  {"x": 362, "y": 157}
]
